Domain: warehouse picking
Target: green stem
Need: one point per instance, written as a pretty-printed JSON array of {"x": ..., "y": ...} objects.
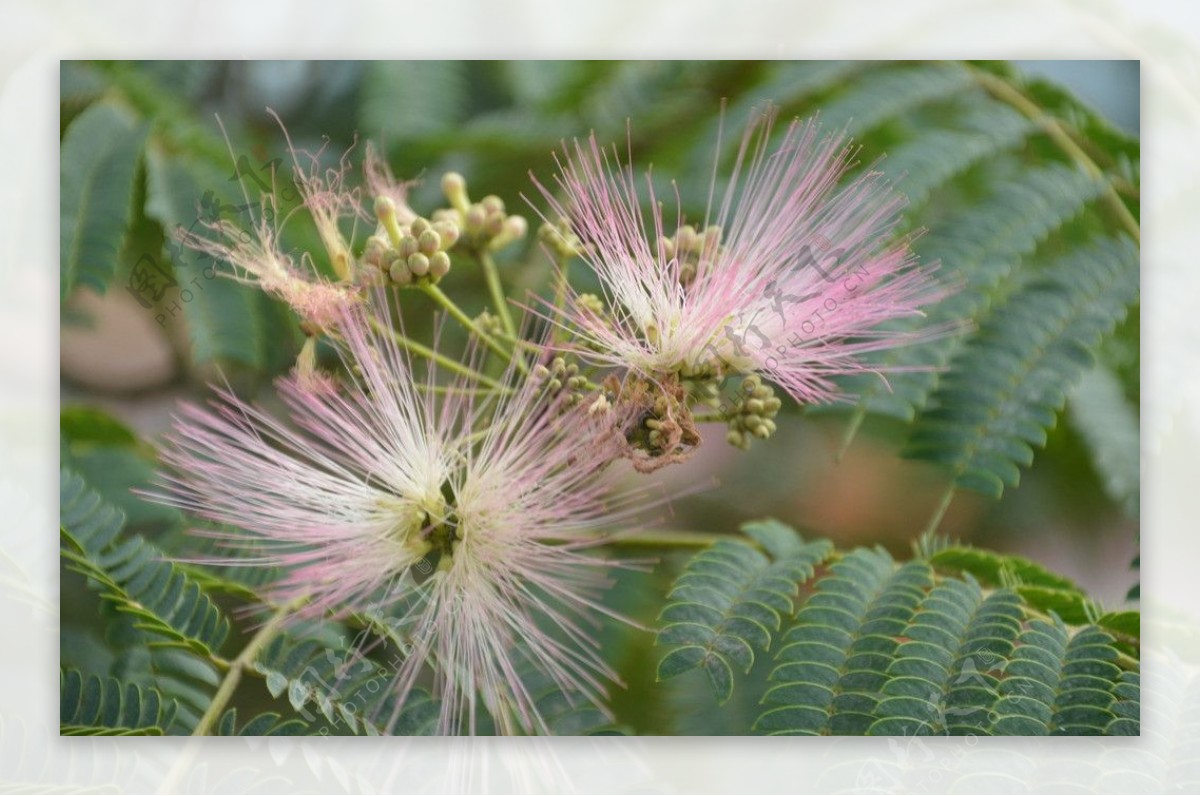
[
  {"x": 560, "y": 298},
  {"x": 245, "y": 659},
  {"x": 443, "y": 360},
  {"x": 1002, "y": 90},
  {"x": 689, "y": 539},
  {"x": 710, "y": 417},
  {"x": 439, "y": 389},
  {"x": 435, "y": 293},
  {"x": 492, "y": 274},
  {"x": 517, "y": 342},
  {"x": 940, "y": 511}
]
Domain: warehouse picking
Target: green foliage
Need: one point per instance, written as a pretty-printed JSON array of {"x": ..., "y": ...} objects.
[
  {"x": 133, "y": 574},
  {"x": 223, "y": 320},
  {"x": 262, "y": 724},
  {"x": 1008, "y": 383},
  {"x": 98, "y": 164},
  {"x": 1108, "y": 423},
  {"x": 105, "y": 706},
  {"x": 405, "y": 100},
  {"x": 345, "y": 686},
  {"x": 1032, "y": 242},
  {"x": 922, "y": 648},
  {"x": 729, "y": 600}
]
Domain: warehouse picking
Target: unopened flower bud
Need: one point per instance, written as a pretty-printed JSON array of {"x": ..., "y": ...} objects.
[
  {"x": 492, "y": 204},
  {"x": 418, "y": 226},
  {"x": 374, "y": 251},
  {"x": 591, "y": 302},
  {"x": 667, "y": 246},
  {"x": 418, "y": 264},
  {"x": 712, "y": 238},
  {"x": 439, "y": 264},
  {"x": 408, "y": 247},
  {"x": 475, "y": 218},
  {"x": 455, "y": 189},
  {"x": 541, "y": 372},
  {"x": 385, "y": 211},
  {"x": 429, "y": 242},
  {"x": 755, "y": 406},
  {"x": 685, "y": 238},
  {"x": 513, "y": 229},
  {"x": 493, "y": 224},
  {"x": 399, "y": 273},
  {"x": 448, "y": 232}
]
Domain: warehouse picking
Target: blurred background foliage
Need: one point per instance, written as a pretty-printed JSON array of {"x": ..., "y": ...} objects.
[{"x": 989, "y": 154}]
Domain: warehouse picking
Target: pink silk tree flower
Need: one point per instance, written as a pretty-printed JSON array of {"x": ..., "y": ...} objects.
[
  {"x": 254, "y": 255},
  {"x": 792, "y": 275},
  {"x": 468, "y": 522}
]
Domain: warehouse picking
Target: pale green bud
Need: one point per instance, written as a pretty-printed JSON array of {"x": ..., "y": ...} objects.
[
  {"x": 399, "y": 273},
  {"x": 385, "y": 211},
  {"x": 418, "y": 264},
  {"x": 493, "y": 224},
  {"x": 475, "y": 218},
  {"x": 492, "y": 204},
  {"x": 439, "y": 264},
  {"x": 685, "y": 238},
  {"x": 454, "y": 186},
  {"x": 447, "y": 231},
  {"x": 429, "y": 241},
  {"x": 668, "y": 248}
]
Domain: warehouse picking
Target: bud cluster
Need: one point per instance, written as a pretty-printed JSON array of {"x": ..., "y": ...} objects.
[
  {"x": 484, "y": 224},
  {"x": 412, "y": 254},
  {"x": 691, "y": 248},
  {"x": 561, "y": 239},
  {"x": 754, "y": 414},
  {"x": 562, "y": 377},
  {"x": 489, "y": 324}
]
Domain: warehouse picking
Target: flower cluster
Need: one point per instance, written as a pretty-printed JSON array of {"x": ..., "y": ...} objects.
[{"x": 468, "y": 512}]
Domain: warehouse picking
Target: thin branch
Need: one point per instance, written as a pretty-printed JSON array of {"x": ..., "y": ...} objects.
[
  {"x": 244, "y": 660},
  {"x": 441, "y": 359},
  {"x": 1002, "y": 90},
  {"x": 492, "y": 274}
]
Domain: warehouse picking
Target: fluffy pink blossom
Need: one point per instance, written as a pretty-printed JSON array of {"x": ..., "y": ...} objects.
[
  {"x": 468, "y": 521},
  {"x": 791, "y": 274},
  {"x": 255, "y": 258}
]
